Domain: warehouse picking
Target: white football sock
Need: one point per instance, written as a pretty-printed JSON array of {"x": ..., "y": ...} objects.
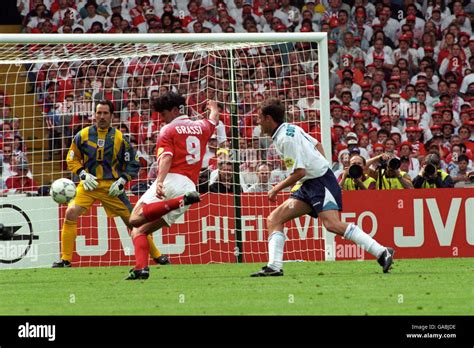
[
  {"x": 276, "y": 243},
  {"x": 361, "y": 238}
]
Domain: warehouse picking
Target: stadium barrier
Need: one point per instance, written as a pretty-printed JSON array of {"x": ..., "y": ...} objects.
[{"x": 418, "y": 223}]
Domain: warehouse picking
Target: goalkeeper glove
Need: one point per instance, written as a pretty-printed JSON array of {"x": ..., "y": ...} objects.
[
  {"x": 117, "y": 188},
  {"x": 88, "y": 180}
]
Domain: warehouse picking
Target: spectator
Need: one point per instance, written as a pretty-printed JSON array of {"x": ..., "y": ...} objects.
[
  {"x": 7, "y": 158},
  {"x": 263, "y": 184},
  {"x": 92, "y": 16},
  {"x": 33, "y": 19},
  {"x": 223, "y": 183},
  {"x": 460, "y": 173},
  {"x": 348, "y": 48},
  {"x": 66, "y": 15},
  {"x": 20, "y": 182},
  {"x": 413, "y": 165}
]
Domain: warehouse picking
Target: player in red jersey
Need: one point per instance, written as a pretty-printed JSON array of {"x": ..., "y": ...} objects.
[{"x": 181, "y": 149}]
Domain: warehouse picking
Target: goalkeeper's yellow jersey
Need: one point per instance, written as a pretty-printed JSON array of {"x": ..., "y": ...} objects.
[{"x": 106, "y": 154}]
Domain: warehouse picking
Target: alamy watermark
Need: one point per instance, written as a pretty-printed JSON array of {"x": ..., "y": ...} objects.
[{"x": 13, "y": 250}]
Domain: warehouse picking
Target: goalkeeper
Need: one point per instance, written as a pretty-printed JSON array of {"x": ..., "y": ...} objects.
[{"x": 104, "y": 161}]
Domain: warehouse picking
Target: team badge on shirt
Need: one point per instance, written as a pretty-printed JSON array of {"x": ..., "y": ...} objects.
[
  {"x": 101, "y": 143},
  {"x": 159, "y": 152},
  {"x": 289, "y": 162}
]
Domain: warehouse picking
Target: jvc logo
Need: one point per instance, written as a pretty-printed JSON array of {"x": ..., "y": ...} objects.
[{"x": 37, "y": 331}]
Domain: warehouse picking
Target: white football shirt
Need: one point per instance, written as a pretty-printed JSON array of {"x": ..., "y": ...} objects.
[{"x": 298, "y": 150}]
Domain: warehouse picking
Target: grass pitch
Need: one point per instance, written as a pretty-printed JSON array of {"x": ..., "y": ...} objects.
[{"x": 414, "y": 287}]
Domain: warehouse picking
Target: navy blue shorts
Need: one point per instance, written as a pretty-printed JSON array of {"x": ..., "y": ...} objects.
[{"x": 320, "y": 194}]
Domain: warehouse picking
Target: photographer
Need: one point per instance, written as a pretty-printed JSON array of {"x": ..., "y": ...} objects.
[
  {"x": 355, "y": 177},
  {"x": 431, "y": 176},
  {"x": 387, "y": 173}
]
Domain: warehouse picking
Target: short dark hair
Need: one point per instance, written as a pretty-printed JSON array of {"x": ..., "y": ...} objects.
[
  {"x": 105, "y": 102},
  {"x": 91, "y": 3},
  {"x": 168, "y": 101},
  {"x": 383, "y": 131},
  {"x": 116, "y": 15},
  {"x": 274, "y": 108},
  {"x": 344, "y": 11},
  {"x": 463, "y": 158}
]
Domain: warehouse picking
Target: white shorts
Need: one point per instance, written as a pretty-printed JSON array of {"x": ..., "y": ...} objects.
[{"x": 174, "y": 185}]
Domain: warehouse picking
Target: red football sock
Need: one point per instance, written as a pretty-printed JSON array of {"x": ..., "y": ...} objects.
[
  {"x": 141, "y": 251},
  {"x": 154, "y": 211}
]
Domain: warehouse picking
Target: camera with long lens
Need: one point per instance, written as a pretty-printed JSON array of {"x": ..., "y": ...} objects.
[
  {"x": 393, "y": 163},
  {"x": 429, "y": 170},
  {"x": 355, "y": 171}
]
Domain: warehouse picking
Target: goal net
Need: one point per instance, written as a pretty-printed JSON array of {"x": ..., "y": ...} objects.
[{"x": 49, "y": 85}]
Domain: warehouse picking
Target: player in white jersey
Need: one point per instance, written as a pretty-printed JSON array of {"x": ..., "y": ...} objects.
[{"x": 319, "y": 195}]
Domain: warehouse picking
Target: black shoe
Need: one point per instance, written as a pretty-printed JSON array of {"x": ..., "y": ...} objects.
[
  {"x": 136, "y": 274},
  {"x": 267, "y": 272},
  {"x": 162, "y": 260},
  {"x": 61, "y": 264},
  {"x": 386, "y": 259},
  {"x": 191, "y": 197}
]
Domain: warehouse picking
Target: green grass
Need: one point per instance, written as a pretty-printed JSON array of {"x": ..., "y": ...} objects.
[{"x": 415, "y": 287}]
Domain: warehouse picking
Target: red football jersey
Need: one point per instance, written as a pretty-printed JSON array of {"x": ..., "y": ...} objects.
[{"x": 186, "y": 141}]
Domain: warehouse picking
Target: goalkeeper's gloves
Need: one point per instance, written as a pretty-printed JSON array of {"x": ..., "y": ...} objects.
[
  {"x": 117, "y": 188},
  {"x": 88, "y": 180}
]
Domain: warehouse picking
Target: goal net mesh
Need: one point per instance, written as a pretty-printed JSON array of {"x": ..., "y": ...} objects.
[{"x": 48, "y": 93}]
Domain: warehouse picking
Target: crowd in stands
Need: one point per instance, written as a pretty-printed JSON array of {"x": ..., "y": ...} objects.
[
  {"x": 15, "y": 173},
  {"x": 401, "y": 82}
]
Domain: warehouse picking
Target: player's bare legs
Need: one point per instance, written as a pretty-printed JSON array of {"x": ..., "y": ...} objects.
[
  {"x": 332, "y": 222},
  {"x": 144, "y": 213},
  {"x": 68, "y": 235},
  {"x": 288, "y": 210}
]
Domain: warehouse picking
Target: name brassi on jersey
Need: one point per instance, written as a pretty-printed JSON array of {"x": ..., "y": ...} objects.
[{"x": 188, "y": 129}]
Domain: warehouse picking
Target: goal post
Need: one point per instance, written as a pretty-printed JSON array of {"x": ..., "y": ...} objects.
[{"x": 53, "y": 80}]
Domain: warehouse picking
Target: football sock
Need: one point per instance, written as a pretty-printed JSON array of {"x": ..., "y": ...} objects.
[
  {"x": 361, "y": 238},
  {"x": 68, "y": 237},
  {"x": 154, "y": 252},
  {"x": 276, "y": 242},
  {"x": 142, "y": 249},
  {"x": 154, "y": 211}
]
